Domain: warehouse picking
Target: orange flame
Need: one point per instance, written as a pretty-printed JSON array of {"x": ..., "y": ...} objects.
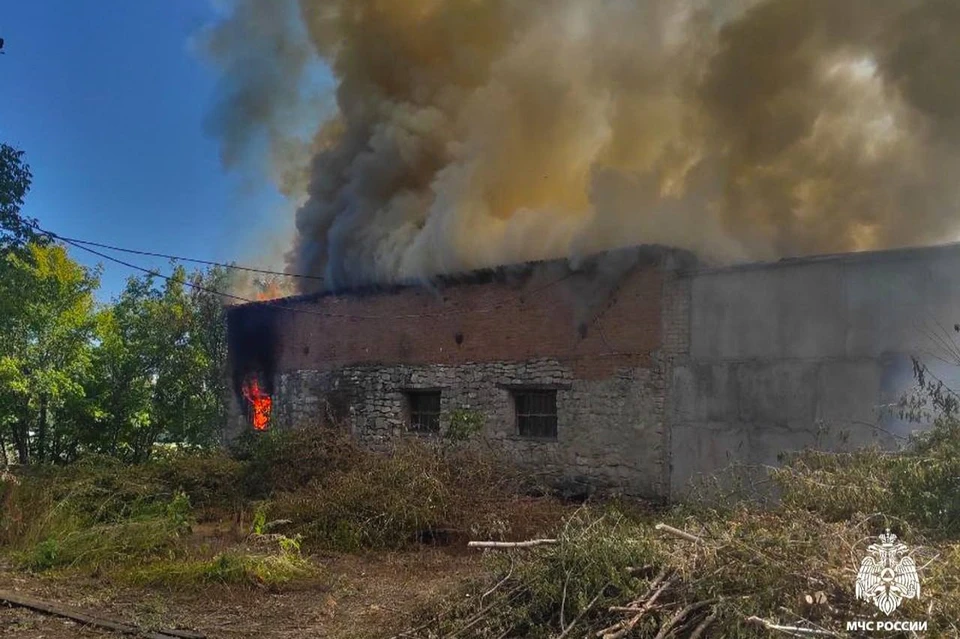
[
  {"x": 260, "y": 402},
  {"x": 269, "y": 291}
]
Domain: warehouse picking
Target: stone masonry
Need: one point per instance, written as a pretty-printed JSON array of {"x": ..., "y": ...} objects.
[
  {"x": 592, "y": 332},
  {"x": 608, "y": 430},
  {"x": 664, "y": 372}
]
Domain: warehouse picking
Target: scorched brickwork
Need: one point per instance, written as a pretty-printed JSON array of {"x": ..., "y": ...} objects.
[{"x": 592, "y": 333}]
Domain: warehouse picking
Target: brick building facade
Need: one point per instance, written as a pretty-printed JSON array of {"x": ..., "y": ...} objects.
[
  {"x": 634, "y": 369},
  {"x": 566, "y": 364}
]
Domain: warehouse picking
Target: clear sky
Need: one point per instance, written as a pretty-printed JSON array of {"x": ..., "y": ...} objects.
[{"x": 108, "y": 99}]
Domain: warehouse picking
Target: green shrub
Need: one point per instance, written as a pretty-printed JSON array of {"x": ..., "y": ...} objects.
[
  {"x": 213, "y": 480},
  {"x": 463, "y": 424},
  {"x": 920, "y": 485},
  {"x": 145, "y": 535}
]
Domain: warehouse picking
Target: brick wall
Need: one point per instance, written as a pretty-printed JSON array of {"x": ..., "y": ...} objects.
[
  {"x": 602, "y": 337},
  {"x": 487, "y": 322},
  {"x": 675, "y": 326},
  {"x": 676, "y": 315}
]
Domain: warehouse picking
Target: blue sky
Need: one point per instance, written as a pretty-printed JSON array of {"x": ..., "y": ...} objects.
[{"x": 108, "y": 99}]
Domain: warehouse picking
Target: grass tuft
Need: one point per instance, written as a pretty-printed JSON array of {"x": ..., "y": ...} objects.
[{"x": 233, "y": 567}]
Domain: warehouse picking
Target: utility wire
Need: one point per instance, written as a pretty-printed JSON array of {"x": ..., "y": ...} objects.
[
  {"x": 283, "y": 307},
  {"x": 74, "y": 241}
]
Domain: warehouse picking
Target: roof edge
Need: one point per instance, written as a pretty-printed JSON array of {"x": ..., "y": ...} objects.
[{"x": 665, "y": 257}]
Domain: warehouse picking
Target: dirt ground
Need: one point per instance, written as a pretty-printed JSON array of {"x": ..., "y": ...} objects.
[{"x": 355, "y": 596}]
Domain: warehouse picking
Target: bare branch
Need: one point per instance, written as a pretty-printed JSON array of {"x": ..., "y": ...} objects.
[
  {"x": 676, "y": 532},
  {"x": 511, "y": 544}
]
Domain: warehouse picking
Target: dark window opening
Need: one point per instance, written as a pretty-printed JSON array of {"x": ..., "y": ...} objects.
[
  {"x": 536, "y": 413},
  {"x": 424, "y": 410}
]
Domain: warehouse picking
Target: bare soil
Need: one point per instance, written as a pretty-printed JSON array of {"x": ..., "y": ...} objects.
[{"x": 376, "y": 595}]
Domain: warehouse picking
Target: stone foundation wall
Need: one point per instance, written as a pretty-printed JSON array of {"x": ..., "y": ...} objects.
[{"x": 609, "y": 433}]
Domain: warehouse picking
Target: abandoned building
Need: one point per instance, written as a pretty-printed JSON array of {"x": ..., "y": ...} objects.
[{"x": 637, "y": 369}]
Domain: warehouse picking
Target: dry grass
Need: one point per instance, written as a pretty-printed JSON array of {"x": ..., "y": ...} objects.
[
  {"x": 316, "y": 486},
  {"x": 792, "y": 562},
  {"x": 416, "y": 492}
]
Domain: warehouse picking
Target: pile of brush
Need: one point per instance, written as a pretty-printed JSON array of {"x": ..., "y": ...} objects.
[{"x": 732, "y": 567}]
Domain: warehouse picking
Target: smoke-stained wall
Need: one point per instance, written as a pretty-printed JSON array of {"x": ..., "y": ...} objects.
[
  {"x": 592, "y": 331},
  {"x": 807, "y": 353},
  {"x": 662, "y": 372}
]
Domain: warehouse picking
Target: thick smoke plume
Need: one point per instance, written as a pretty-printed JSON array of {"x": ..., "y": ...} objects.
[{"x": 470, "y": 133}]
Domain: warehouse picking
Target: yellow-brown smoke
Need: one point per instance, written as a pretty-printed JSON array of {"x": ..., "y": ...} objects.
[{"x": 468, "y": 133}]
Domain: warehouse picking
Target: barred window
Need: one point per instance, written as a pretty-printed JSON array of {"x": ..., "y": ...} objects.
[
  {"x": 424, "y": 411},
  {"x": 536, "y": 413}
]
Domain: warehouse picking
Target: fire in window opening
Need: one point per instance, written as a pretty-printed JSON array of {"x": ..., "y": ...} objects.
[
  {"x": 423, "y": 409},
  {"x": 536, "y": 413},
  {"x": 259, "y": 403}
]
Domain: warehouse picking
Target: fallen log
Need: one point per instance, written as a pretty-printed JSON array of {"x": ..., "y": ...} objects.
[
  {"x": 46, "y": 607},
  {"x": 511, "y": 544}
]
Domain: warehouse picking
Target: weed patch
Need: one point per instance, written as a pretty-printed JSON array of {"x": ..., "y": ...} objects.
[
  {"x": 142, "y": 536},
  {"x": 235, "y": 567}
]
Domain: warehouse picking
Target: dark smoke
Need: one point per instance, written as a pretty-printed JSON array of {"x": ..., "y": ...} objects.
[{"x": 469, "y": 134}]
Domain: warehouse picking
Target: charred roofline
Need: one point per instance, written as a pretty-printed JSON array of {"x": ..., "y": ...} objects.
[{"x": 669, "y": 258}]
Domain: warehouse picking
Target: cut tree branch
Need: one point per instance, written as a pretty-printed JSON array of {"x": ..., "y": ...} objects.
[
  {"x": 791, "y": 629},
  {"x": 676, "y": 532},
  {"x": 511, "y": 544}
]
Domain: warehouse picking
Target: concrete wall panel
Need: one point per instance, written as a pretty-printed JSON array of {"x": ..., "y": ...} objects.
[
  {"x": 731, "y": 316},
  {"x": 849, "y": 391},
  {"x": 810, "y": 311},
  {"x": 809, "y": 353},
  {"x": 700, "y": 450},
  {"x": 887, "y": 303},
  {"x": 777, "y": 393},
  {"x": 704, "y": 392}
]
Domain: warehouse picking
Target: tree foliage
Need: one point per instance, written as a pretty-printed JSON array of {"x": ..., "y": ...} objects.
[
  {"x": 158, "y": 370},
  {"x": 117, "y": 379},
  {"x": 15, "y": 180},
  {"x": 46, "y": 304}
]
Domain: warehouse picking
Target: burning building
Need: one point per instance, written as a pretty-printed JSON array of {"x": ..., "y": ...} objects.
[{"x": 637, "y": 369}]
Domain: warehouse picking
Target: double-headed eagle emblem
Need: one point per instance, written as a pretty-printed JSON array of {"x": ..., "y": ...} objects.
[{"x": 886, "y": 577}]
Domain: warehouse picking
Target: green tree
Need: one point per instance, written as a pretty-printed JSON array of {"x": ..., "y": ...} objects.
[
  {"x": 47, "y": 320},
  {"x": 159, "y": 367},
  {"x": 15, "y": 179},
  {"x": 147, "y": 369}
]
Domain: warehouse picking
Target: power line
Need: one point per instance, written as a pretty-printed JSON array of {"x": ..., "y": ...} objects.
[
  {"x": 271, "y": 304},
  {"x": 75, "y": 241}
]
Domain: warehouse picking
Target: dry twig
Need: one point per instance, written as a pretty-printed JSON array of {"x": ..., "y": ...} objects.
[
  {"x": 676, "y": 532},
  {"x": 511, "y": 544},
  {"x": 622, "y": 628},
  {"x": 702, "y": 627},
  {"x": 675, "y": 619},
  {"x": 769, "y": 625},
  {"x": 583, "y": 612},
  {"x": 49, "y": 608}
]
